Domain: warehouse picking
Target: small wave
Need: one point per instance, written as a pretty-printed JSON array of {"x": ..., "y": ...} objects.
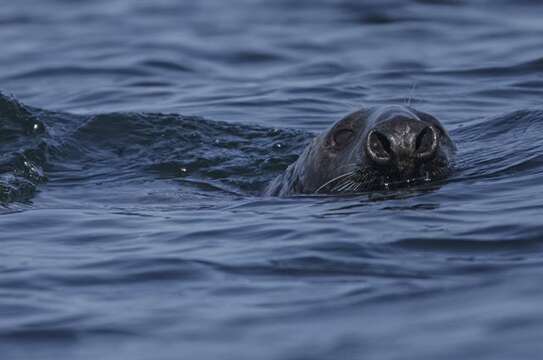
[
  {"x": 506, "y": 145},
  {"x": 23, "y": 151},
  {"x": 82, "y": 148},
  {"x": 195, "y": 149},
  {"x": 67, "y": 71},
  {"x": 232, "y": 158},
  {"x": 468, "y": 246}
]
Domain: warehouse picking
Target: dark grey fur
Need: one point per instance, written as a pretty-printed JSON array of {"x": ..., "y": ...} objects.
[{"x": 371, "y": 149}]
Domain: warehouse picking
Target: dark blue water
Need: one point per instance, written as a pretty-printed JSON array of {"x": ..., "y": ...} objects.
[{"x": 136, "y": 138}]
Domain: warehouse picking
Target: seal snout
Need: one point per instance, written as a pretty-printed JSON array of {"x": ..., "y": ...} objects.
[{"x": 402, "y": 144}]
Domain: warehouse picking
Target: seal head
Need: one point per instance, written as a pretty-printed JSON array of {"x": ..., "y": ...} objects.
[{"x": 371, "y": 149}]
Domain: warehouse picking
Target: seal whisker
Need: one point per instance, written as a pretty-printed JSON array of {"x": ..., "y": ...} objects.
[
  {"x": 341, "y": 185},
  {"x": 333, "y": 180},
  {"x": 358, "y": 187},
  {"x": 411, "y": 94},
  {"x": 353, "y": 188},
  {"x": 344, "y": 186}
]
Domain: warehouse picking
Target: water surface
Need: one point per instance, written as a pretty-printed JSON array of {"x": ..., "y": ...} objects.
[{"x": 136, "y": 138}]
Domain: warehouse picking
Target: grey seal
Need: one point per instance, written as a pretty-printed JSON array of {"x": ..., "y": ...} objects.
[{"x": 371, "y": 149}]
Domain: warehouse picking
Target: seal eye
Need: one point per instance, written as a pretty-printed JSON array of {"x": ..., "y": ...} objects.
[{"x": 342, "y": 137}]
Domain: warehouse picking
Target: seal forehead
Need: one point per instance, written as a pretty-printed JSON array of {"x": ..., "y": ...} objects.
[{"x": 394, "y": 111}]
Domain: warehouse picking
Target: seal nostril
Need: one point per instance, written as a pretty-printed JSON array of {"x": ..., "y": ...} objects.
[
  {"x": 384, "y": 142},
  {"x": 379, "y": 147},
  {"x": 426, "y": 143},
  {"x": 422, "y": 139}
]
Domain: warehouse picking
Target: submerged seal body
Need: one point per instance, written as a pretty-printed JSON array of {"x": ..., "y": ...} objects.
[{"x": 371, "y": 149}]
